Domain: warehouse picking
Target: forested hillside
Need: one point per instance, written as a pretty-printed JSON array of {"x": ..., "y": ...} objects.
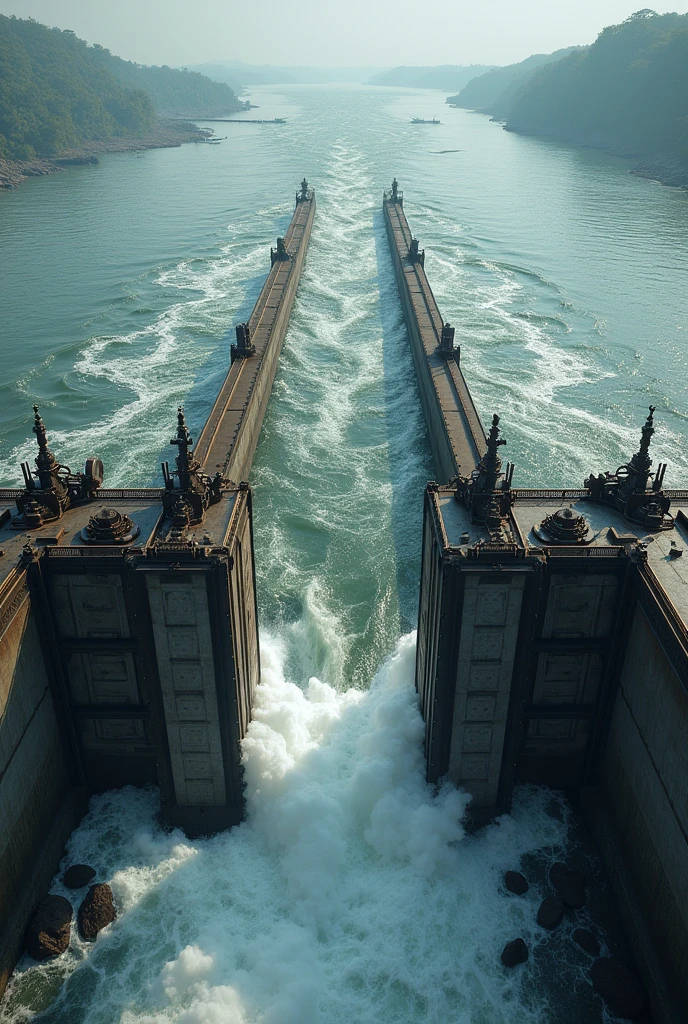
[
  {"x": 54, "y": 93},
  {"x": 493, "y": 92},
  {"x": 57, "y": 93},
  {"x": 627, "y": 93},
  {"x": 173, "y": 91}
]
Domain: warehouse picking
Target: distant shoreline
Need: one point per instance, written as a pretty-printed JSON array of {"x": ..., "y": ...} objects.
[{"x": 167, "y": 133}]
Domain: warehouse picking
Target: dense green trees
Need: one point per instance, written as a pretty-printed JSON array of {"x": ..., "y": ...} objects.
[
  {"x": 53, "y": 94},
  {"x": 493, "y": 92},
  {"x": 57, "y": 92},
  {"x": 173, "y": 91},
  {"x": 627, "y": 93}
]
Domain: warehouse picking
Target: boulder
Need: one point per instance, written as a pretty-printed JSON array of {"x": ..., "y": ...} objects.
[
  {"x": 620, "y": 988},
  {"x": 78, "y": 876},
  {"x": 551, "y": 912},
  {"x": 50, "y": 928},
  {"x": 568, "y": 884},
  {"x": 96, "y": 911},
  {"x": 515, "y": 882},
  {"x": 587, "y": 940},
  {"x": 514, "y": 953}
]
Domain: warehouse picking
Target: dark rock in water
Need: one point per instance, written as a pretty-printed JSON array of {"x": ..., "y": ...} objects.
[
  {"x": 514, "y": 953},
  {"x": 619, "y": 987},
  {"x": 96, "y": 911},
  {"x": 551, "y": 912},
  {"x": 78, "y": 876},
  {"x": 569, "y": 885},
  {"x": 50, "y": 927},
  {"x": 587, "y": 941},
  {"x": 515, "y": 882}
]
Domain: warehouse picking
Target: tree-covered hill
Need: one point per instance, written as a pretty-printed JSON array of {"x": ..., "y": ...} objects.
[
  {"x": 57, "y": 93},
  {"x": 493, "y": 92},
  {"x": 173, "y": 91},
  {"x": 627, "y": 93}
]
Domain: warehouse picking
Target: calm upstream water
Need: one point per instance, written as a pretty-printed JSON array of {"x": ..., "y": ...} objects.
[{"x": 351, "y": 893}]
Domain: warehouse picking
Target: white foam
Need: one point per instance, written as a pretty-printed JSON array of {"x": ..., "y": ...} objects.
[
  {"x": 151, "y": 370},
  {"x": 351, "y": 893}
]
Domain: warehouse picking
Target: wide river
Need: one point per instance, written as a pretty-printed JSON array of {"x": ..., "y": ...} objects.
[{"x": 351, "y": 893}]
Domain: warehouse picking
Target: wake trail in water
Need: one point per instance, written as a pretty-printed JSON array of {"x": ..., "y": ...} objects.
[
  {"x": 536, "y": 358},
  {"x": 157, "y": 367},
  {"x": 343, "y": 438}
]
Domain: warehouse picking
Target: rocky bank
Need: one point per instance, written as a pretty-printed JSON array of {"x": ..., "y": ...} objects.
[{"x": 167, "y": 133}]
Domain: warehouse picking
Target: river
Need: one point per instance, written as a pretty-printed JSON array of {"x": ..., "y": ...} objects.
[{"x": 350, "y": 894}]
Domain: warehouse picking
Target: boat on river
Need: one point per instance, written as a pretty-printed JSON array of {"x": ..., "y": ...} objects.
[{"x": 423, "y": 120}]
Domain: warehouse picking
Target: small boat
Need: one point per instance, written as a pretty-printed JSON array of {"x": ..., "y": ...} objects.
[{"x": 423, "y": 120}]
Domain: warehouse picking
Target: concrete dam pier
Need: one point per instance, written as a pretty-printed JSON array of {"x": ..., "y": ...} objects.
[
  {"x": 228, "y": 440},
  {"x": 456, "y": 434},
  {"x": 553, "y": 640},
  {"x": 128, "y": 622}
]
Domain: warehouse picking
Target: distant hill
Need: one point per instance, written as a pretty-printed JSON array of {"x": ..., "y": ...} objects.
[
  {"x": 182, "y": 92},
  {"x": 493, "y": 92},
  {"x": 447, "y": 77},
  {"x": 240, "y": 75},
  {"x": 57, "y": 93},
  {"x": 627, "y": 93}
]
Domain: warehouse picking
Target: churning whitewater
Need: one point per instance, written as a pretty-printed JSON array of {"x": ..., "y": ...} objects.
[{"x": 349, "y": 894}]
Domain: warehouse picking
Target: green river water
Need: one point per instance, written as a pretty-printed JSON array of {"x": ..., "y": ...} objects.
[{"x": 350, "y": 894}]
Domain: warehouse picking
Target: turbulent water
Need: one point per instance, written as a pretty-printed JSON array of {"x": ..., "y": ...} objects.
[{"x": 350, "y": 893}]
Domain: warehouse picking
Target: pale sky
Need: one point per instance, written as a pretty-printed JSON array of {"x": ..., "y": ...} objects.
[{"x": 332, "y": 32}]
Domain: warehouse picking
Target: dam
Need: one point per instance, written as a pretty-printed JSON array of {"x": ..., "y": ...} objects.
[
  {"x": 134, "y": 654},
  {"x": 553, "y": 639},
  {"x": 128, "y": 621}
]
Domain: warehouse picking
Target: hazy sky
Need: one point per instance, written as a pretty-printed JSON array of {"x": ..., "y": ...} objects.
[{"x": 331, "y": 32}]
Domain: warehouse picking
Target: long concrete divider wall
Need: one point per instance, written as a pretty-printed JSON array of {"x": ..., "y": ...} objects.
[
  {"x": 456, "y": 434},
  {"x": 228, "y": 440}
]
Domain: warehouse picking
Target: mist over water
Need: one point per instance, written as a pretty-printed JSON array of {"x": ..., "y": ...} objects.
[{"x": 351, "y": 892}]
